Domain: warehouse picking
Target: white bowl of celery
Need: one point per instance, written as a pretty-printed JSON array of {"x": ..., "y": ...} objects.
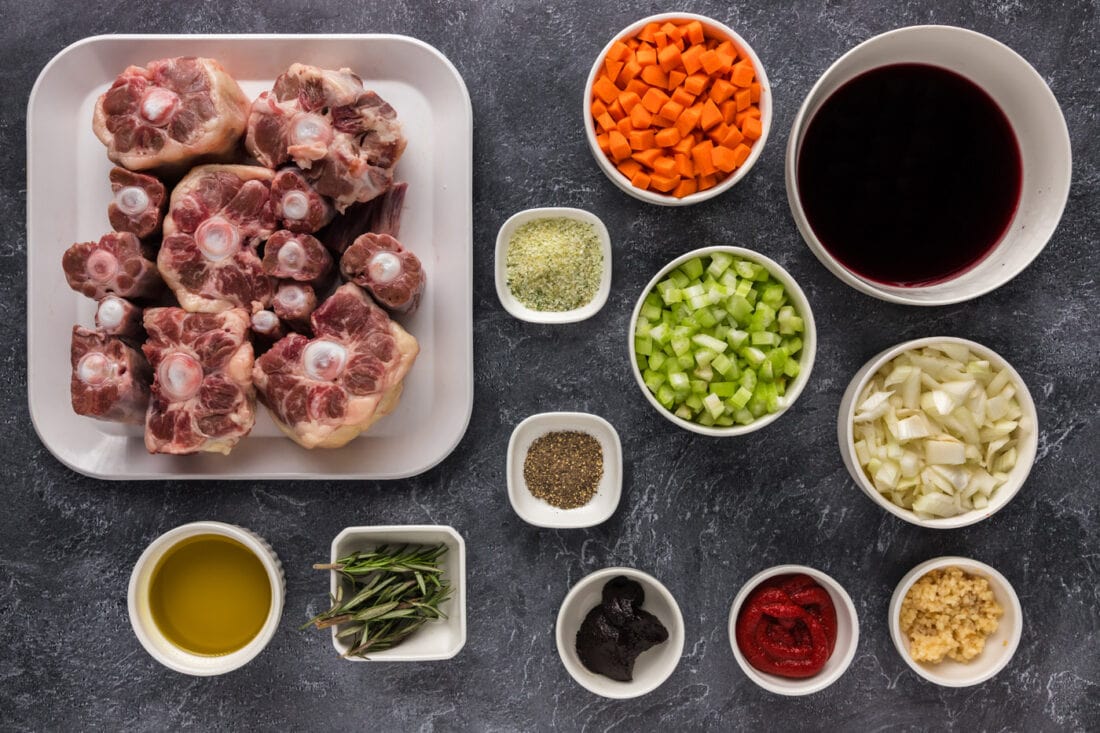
[{"x": 722, "y": 341}]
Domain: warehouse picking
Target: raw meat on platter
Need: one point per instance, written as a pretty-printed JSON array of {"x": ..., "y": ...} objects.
[
  {"x": 202, "y": 395},
  {"x": 324, "y": 391},
  {"x": 381, "y": 216},
  {"x": 138, "y": 204},
  {"x": 218, "y": 215},
  {"x": 391, "y": 273},
  {"x": 171, "y": 114},
  {"x": 300, "y": 257},
  {"x": 297, "y": 203},
  {"x": 116, "y": 316},
  {"x": 116, "y": 264},
  {"x": 345, "y": 139},
  {"x": 110, "y": 380},
  {"x": 294, "y": 303}
]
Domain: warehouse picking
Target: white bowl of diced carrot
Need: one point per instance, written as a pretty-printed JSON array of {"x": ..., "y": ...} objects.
[{"x": 677, "y": 109}]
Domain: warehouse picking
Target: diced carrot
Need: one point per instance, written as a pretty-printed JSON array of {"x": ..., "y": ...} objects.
[
  {"x": 620, "y": 148},
  {"x": 683, "y": 97},
  {"x": 640, "y": 180},
  {"x": 647, "y": 55},
  {"x": 711, "y": 115},
  {"x": 640, "y": 117},
  {"x": 701, "y": 157},
  {"x": 739, "y": 120},
  {"x": 631, "y": 69},
  {"x": 632, "y": 43},
  {"x": 755, "y": 90},
  {"x": 684, "y": 166},
  {"x": 718, "y": 133},
  {"x": 605, "y": 122},
  {"x": 647, "y": 157},
  {"x": 732, "y": 138},
  {"x": 671, "y": 31},
  {"x": 752, "y": 129},
  {"x": 669, "y": 58},
  {"x": 685, "y": 145},
  {"x": 726, "y": 48},
  {"x": 598, "y": 108},
  {"x": 641, "y": 139},
  {"x": 690, "y": 59},
  {"x": 721, "y": 90},
  {"x": 616, "y": 110},
  {"x": 646, "y": 34},
  {"x": 741, "y": 153},
  {"x": 602, "y": 141},
  {"x": 705, "y": 182},
  {"x": 727, "y": 62},
  {"x": 723, "y": 158},
  {"x": 743, "y": 99},
  {"x": 629, "y": 167},
  {"x": 686, "y": 187},
  {"x": 664, "y": 184},
  {"x": 688, "y": 119},
  {"x": 671, "y": 111},
  {"x": 728, "y": 110},
  {"x": 711, "y": 62},
  {"x": 694, "y": 32},
  {"x": 637, "y": 86},
  {"x": 625, "y": 126},
  {"x": 654, "y": 99},
  {"x": 655, "y": 76},
  {"x": 660, "y": 40},
  {"x": 613, "y": 68},
  {"x": 696, "y": 83},
  {"x": 675, "y": 79},
  {"x": 618, "y": 51},
  {"x": 742, "y": 73},
  {"x": 628, "y": 101},
  {"x": 605, "y": 89},
  {"x": 665, "y": 166},
  {"x": 667, "y": 137}
]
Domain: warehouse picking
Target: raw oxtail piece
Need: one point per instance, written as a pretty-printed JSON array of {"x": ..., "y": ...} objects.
[
  {"x": 203, "y": 398},
  {"x": 294, "y": 303},
  {"x": 345, "y": 139},
  {"x": 115, "y": 265},
  {"x": 219, "y": 214},
  {"x": 391, "y": 273},
  {"x": 138, "y": 204},
  {"x": 266, "y": 330},
  {"x": 324, "y": 391},
  {"x": 297, "y": 204},
  {"x": 171, "y": 114},
  {"x": 117, "y": 316},
  {"x": 381, "y": 215},
  {"x": 110, "y": 379},
  {"x": 301, "y": 257}
]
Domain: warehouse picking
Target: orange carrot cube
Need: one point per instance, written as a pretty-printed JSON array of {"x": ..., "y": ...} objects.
[
  {"x": 743, "y": 99},
  {"x": 742, "y": 73},
  {"x": 686, "y": 187},
  {"x": 711, "y": 115},
  {"x": 711, "y": 62},
  {"x": 721, "y": 90},
  {"x": 640, "y": 117},
  {"x": 620, "y": 148},
  {"x": 646, "y": 55},
  {"x": 640, "y": 180},
  {"x": 641, "y": 139},
  {"x": 667, "y": 137},
  {"x": 605, "y": 89},
  {"x": 694, "y": 32},
  {"x": 669, "y": 58},
  {"x": 655, "y": 76},
  {"x": 675, "y": 79},
  {"x": 702, "y": 158},
  {"x": 654, "y": 99},
  {"x": 723, "y": 158},
  {"x": 664, "y": 184},
  {"x": 752, "y": 129}
]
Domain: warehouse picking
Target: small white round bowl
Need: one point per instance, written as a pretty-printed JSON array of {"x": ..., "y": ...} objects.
[
  {"x": 539, "y": 512},
  {"x": 167, "y": 653},
  {"x": 805, "y": 362},
  {"x": 653, "y": 666},
  {"x": 518, "y": 309},
  {"x": 847, "y": 635},
  {"x": 1036, "y": 120},
  {"x": 1000, "y": 646},
  {"x": 1026, "y": 448},
  {"x": 713, "y": 29}
]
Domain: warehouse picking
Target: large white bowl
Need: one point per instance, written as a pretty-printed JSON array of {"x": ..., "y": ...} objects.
[
  {"x": 1035, "y": 117},
  {"x": 653, "y": 666},
  {"x": 805, "y": 362},
  {"x": 1026, "y": 448},
  {"x": 141, "y": 615},
  {"x": 1000, "y": 646},
  {"x": 847, "y": 635},
  {"x": 713, "y": 29}
]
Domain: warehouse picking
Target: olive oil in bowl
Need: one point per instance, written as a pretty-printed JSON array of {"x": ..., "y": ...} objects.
[{"x": 209, "y": 595}]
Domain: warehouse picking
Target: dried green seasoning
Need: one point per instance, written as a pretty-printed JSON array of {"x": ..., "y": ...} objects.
[
  {"x": 554, "y": 264},
  {"x": 564, "y": 468}
]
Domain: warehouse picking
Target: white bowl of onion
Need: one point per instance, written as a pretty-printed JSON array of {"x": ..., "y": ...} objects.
[{"x": 941, "y": 431}]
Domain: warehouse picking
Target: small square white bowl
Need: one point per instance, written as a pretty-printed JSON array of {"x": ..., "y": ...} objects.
[
  {"x": 434, "y": 640},
  {"x": 518, "y": 309},
  {"x": 542, "y": 514}
]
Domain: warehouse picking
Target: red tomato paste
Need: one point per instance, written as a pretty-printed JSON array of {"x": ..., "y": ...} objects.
[{"x": 787, "y": 626}]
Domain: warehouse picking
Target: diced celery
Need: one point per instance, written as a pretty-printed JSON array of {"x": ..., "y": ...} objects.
[
  {"x": 765, "y": 338},
  {"x": 653, "y": 379},
  {"x": 745, "y": 269},
  {"x": 719, "y": 263},
  {"x": 679, "y": 279},
  {"x": 653, "y": 299},
  {"x": 678, "y": 381},
  {"x": 766, "y": 372},
  {"x": 724, "y": 389},
  {"x": 773, "y": 295},
  {"x": 694, "y": 291},
  {"x": 705, "y": 373},
  {"x": 762, "y": 317},
  {"x": 694, "y": 402},
  {"x": 651, "y": 312},
  {"x": 709, "y": 342},
  {"x": 686, "y": 361},
  {"x": 724, "y": 421},
  {"x": 698, "y": 386},
  {"x": 705, "y": 318},
  {"x": 704, "y": 357},
  {"x": 720, "y": 331},
  {"x": 793, "y": 345},
  {"x": 791, "y": 368},
  {"x": 644, "y": 346},
  {"x": 762, "y": 275},
  {"x": 659, "y": 333},
  {"x": 706, "y": 420},
  {"x": 743, "y": 417},
  {"x": 666, "y": 395},
  {"x": 740, "y": 309},
  {"x": 744, "y": 287},
  {"x": 748, "y": 379},
  {"x": 657, "y": 360},
  {"x": 680, "y": 345},
  {"x": 714, "y": 405},
  {"x": 684, "y": 412},
  {"x": 754, "y": 356},
  {"x": 693, "y": 268},
  {"x": 737, "y": 338},
  {"x": 721, "y": 364},
  {"x": 741, "y": 397},
  {"x": 778, "y": 360},
  {"x": 640, "y": 361}
]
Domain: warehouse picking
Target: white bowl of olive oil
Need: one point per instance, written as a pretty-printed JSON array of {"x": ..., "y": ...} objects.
[{"x": 205, "y": 598}]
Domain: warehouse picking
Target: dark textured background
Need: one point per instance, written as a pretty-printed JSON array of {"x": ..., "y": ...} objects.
[{"x": 703, "y": 515}]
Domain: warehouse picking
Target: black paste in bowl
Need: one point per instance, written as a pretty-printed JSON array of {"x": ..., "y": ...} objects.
[{"x": 615, "y": 632}]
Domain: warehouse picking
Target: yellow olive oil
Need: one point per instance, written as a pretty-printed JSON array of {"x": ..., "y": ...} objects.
[{"x": 209, "y": 595}]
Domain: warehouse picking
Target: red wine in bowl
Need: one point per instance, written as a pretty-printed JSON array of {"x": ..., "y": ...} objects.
[{"x": 909, "y": 174}]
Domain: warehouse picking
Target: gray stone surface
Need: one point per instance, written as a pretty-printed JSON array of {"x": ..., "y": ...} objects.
[{"x": 703, "y": 515}]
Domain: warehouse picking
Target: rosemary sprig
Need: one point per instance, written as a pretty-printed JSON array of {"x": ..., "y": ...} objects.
[{"x": 391, "y": 591}]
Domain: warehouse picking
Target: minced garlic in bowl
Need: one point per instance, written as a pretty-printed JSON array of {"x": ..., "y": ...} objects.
[{"x": 949, "y": 614}]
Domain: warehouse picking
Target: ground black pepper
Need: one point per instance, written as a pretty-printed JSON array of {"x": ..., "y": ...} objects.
[{"x": 564, "y": 468}]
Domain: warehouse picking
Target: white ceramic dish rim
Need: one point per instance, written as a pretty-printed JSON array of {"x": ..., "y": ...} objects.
[
  {"x": 196, "y": 664},
  {"x": 1003, "y": 591},
  {"x": 869, "y": 287},
  {"x": 1027, "y": 448},
  {"x": 552, "y": 517},
  {"x": 630, "y": 689},
  {"x": 504, "y": 293},
  {"x": 407, "y": 534},
  {"x": 806, "y": 360},
  {"x": 810, "y": 685},
  {"x": 661, "y": 199},
  {"x": 90, "y": 462}
]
